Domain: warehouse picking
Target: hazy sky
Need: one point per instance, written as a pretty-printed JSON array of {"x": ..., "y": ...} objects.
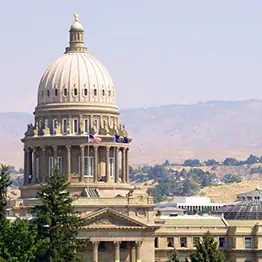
[{"x": 158, "y": 52}]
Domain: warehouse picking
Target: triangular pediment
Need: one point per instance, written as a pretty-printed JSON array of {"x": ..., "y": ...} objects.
[{"x": 109, "y": 218}]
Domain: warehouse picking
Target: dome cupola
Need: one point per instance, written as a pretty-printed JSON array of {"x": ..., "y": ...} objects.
[{"x": 76, "y": 77}]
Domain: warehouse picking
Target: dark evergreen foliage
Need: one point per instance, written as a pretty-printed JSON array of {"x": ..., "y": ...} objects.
[
  {"x": 207, "y": 250},
  {"x": 57, "y": 221}
]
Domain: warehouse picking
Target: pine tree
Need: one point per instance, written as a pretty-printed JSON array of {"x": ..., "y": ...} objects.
[
  {"x": 5, "y": 182},
  {"x": 207, "y": 250},
  {"x": 57, "y": 220},
  {"x": 174, "y": 257}
]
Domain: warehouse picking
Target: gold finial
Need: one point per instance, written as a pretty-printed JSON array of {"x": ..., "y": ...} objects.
[{"x": 76, "y": 16}]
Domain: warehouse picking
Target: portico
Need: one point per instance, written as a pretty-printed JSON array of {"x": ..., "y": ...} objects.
[{"x": 116, "y": 237}]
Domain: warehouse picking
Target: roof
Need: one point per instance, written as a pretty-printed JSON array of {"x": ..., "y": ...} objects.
[
  {"x": 256, "y": 192},
  {"x": 244, "y": 210},
  {"x": 196, "y": 221}
]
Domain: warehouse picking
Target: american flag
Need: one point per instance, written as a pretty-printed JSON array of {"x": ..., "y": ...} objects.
[{"x": 94, "y": 139}]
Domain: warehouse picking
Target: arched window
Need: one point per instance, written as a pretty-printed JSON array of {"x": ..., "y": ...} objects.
[
  {"x": 95, "y": 92},
  {"x": 85, "y": 91},
  {"x": 75, "y": 91},
  {"x": 109, "y": 92},
  {"x": 56, "y": 92},
  {"x": 103, "y": 92},
  {"x": 48, "y": 92},
  {"x": 65, "y": 91}
]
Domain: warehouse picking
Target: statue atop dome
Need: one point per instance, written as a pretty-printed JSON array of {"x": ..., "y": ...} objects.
[{"x": 76, "y": 17}]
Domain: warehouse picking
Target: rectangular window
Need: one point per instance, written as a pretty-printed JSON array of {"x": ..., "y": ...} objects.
[
  {"x": 64, "y": 126},
  {"x": 248, "y": 242},
  {"x": 156, "y": 242},
  {"x": 195, "y": 241},
  {"x": 75, "y": 126},
  {"x": 88, "y": 168},
  {"x": 221, "y": 242},
  {"x": 183, "y": 242},
  {"x": 170, "y": 242},
  {"x": 86, "y": 126},
  {"x": 52, "y": 164},
  {"x": 112, "y": 166}
]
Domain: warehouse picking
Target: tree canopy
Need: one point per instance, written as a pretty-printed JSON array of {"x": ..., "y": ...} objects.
[
  {"x": 207, "y": 250},
  {"x": 57, "y": 220}
]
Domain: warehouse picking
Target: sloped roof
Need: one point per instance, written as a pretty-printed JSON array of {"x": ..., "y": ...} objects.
[{"x": 244, "y": 210}]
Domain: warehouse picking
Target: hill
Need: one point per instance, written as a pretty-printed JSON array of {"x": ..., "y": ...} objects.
[{"x": 214, "y": 129}]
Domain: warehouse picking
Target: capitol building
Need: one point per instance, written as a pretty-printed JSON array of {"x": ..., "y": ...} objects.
[{"x": 77, "y": 128}]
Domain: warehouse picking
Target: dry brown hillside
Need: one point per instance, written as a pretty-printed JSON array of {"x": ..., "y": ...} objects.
[
  {"x": 214, "y": 129},
  {"x": 228, "y": 193}
]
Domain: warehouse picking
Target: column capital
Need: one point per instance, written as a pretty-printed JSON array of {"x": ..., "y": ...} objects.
[
  {"x": 138, "y": 243},
  {"x": 96, "y": 147},
  {"x": 117, "y": 149},
  {"x": 108, "y": 148},
  {"x": 34, "y": 149},
  {"x": 42, "y": 148},
  {"x": 26, "y": 149},
  {"x": 82, "y": 147},
  {"x": 68, "y": 147},
  {"x": 54, "y": 147},
  {"x": 95, "y": 243},
  {"x": 117, "y": 243}
]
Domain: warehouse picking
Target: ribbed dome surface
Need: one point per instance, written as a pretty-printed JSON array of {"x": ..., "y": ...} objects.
[
  {"x": 76, "y": 76},
  {"x": 76, "y": 71}
]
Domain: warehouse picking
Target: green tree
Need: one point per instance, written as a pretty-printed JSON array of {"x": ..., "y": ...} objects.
[
  {"x": 19, "y": 242},
  {"x": 207, "y": 250},
  {"x": 211, "y": 162},
  {"x": 5, "y": 182},
  {"x": 174, "y": 257},
  {"x": 192, "y": 162},
  {"x": 58, "y": 221}
]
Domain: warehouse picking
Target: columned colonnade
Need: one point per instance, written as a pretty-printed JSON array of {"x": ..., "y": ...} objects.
[
  {"x": 134, "y": 245},
  {"x": 37, "y": 172}
]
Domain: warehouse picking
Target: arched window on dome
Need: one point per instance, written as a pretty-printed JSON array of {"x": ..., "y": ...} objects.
[
  {"x": 75, "y": 91},
  {"x": 42, "y": 93},
  {"x": 95, "y": 92},
  {"x": 65, "y": 91},
  {"x": 109, "y": 93},
  {"x": 48, "y": 92},
  {"x": 103, "y": 92},
  {"x": 85, "y": 92},
  {"x": 56, "y": 92}
]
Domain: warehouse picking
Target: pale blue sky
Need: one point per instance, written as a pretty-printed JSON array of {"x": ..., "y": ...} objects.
[{"x": 158, "y": 52}]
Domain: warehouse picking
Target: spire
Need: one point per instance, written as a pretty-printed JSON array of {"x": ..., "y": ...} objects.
[{"x": 76, "y": 37}]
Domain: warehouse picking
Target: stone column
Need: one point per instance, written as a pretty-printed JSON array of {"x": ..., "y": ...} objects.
[
  {"x": 25, "y": 166},
  {"x": 107, "y": 165},
  {"x": 117, "y": 251},
  {"x": 33, "y": 165},
  {"x": 123, "y": 166},
  {"x": 138, "y": 251},
  {"x": 116, "y": 165},
  {"x": 29, "y": 166},
  {"x": 82, "y": 166},
  {"x": 68, "y": 176},
  {"x": 127, "y": 166},
  {"x": 95, "y": 251},
  {"x": 95, "y": 164},
  {"x": 42, "y": 165}
]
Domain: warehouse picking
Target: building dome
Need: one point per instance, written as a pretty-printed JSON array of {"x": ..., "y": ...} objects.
[{"x": 76, "y": 76}]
